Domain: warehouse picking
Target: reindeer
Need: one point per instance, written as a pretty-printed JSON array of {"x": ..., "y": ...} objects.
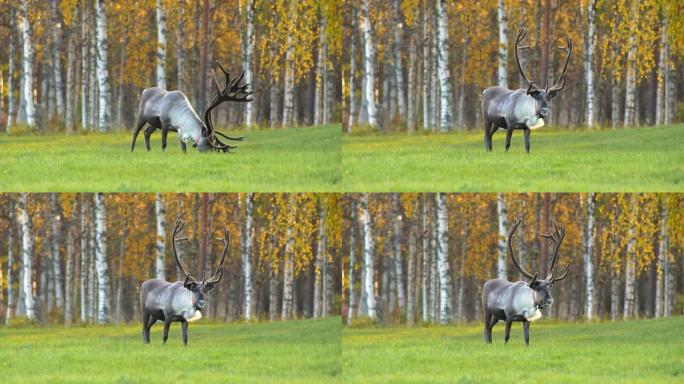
[
  {"x": 520, "y": 109},
  {"x": 171, "y": 111},
  {"x": 179, "y": 301},
  {"x": 520, "y": 301}
]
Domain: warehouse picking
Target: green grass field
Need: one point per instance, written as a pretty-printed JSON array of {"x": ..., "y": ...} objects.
[
  {"x": 304, "y": 351},
  {"x": 295, "y": 159},
  {"x": 626, "y": 160},
  {"x": 647, "y": 351}
]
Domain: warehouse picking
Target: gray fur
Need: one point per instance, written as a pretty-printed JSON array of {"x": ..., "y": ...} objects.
[{"x": 170, "y": 111}]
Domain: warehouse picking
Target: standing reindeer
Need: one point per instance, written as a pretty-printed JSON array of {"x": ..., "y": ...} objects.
[
  {"x": 171, "y": 111},
  {"x": 520, "y": 301},
  {"x": 179, "y": 301},
  {"x": 520, "y": 109}
]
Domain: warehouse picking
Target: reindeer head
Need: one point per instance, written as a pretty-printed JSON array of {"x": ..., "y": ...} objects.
[
  {"x": 232, "y": 91},
  {"x": 199, "y": 288},
  {"x": 545, "y": 95},
  {"x": 541, "y": 288}
]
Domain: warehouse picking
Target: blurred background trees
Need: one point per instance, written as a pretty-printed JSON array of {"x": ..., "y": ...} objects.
[
  {"x": 74, "y": 64},
  {"x": 625, "y": 71},
  {"x": 427, "y": 255},
  {"x": 80, "y": 258}
]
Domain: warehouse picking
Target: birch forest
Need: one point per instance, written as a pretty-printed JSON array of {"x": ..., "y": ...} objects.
[
  {"x": 81, "y": 258},
  {"x": 416, "y": 65},
  {"x": 422, "y": 258},
  {"x": 81, "y": 65}
]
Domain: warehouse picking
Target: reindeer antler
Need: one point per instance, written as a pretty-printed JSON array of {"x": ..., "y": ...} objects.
[
  {"x": 558, "y": 86},
  {"x": 176, "y": 230},
  {"x": 511, "y": 233},
  {"x": 522, "y": 33},
  {"x": 556, "y": 237},
  {"x": 232, "y": 91},
  {"x": 216, "y": 276}
]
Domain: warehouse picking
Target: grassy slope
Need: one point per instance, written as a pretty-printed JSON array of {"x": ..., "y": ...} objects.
[
  {"x": 294, "y": 352},
  {"x": 643, "y": 159},
  {"x": 295, "y": 159},
  {"x": 648, "y": 351}
]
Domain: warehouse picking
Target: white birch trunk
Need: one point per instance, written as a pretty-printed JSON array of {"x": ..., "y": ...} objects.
[
  {"x": 442, "y": 262},
  {"x": 101, "y": 59},
  {"x": 426, "y": 263},
  {"x": 663, "y": 248},
  {"x": 68, "y": 279},
  {"x": 501, "y": 213},
  {"x": 670, "y": 85},
  {"x": 397, "y": 45},
  {"x": 662, "y": 69},
  {"x": 411, "y": 278},
  {"x": 318, "y": 266},
  {"x": 160, "y": 213},
  {"x": 352, "y": 72},
  {"x": 368, "y": 70},
  {"x": 590, "y": 44},
  {"x": 288, "y": 89},
  {"x": 320, "y": 68},
  {"x": 396, "y": 250},
  {"x": 27, "y": 66},
  {"x": 434, "y": 80},
  {"x": 426, "y": 68},
  {"x": 352, "y": 263},
  {"x": 54, "y": 53},
  {"x": 630, "y": 265},
  {"x": 247, "y": 58},
  {"x": 589, "y": 237},
  {"x": 161, "y": 45},
  {"x": 272, "y": 295},
  {"x": 26, "y": 257},
  {"x": 288, "y": 267},
  {"x": 10, "y": 76},
  {"x": 368, "y": 250},
  {"x": 54, "y": 250},
  {"x": 248, "y": 240},
  {"x": 101, "y": 260},
  {"x": 71, "y": 60},
  {"x": 445, "y": 107},
  {"x": 411, "y": 97},
  {"x": 630, "y": 77},
  {"x": 614, "y": 100},
  {"x": 10, "y": 263},
  {"x": 434, "y": 270},
  {"x": 84, "y": 260},
  {"x": 503, "y": 45}
]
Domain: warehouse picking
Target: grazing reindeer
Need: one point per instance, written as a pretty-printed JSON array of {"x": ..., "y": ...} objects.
[
  {"x": 171, "y": 111},
  {"x": 520, "y": 301},
  {"x": 179, "y": 301},
  {"x": 520, "y": 109}
]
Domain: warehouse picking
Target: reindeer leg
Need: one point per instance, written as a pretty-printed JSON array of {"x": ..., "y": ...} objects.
[
  {"x": 508, "y": 329},
  {"x": 488, "y": 135},
  {"x": 488, "y": 328},
  {"x": 145, "y": 330},
  {"x": 167, "y": 324},
  {"x": 148, "y": 133},
  {"x": 184, "y": 329},
  {"x": 138, "y": 126},
  {"x": 183, "y": 146},
  {"x": 527, "y": 140},
  {"x": 526, "y": 329},
  {"x": 165, "y": 133},
  {"x": 509, "y": 134}
]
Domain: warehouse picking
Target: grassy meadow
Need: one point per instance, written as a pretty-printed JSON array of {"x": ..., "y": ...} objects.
[
  {"x": 305, "y": 159},
  {"x": 645, "y": 351},
  {"x": 306, "y": 351},
  {"x": 625, "y": 160}
]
